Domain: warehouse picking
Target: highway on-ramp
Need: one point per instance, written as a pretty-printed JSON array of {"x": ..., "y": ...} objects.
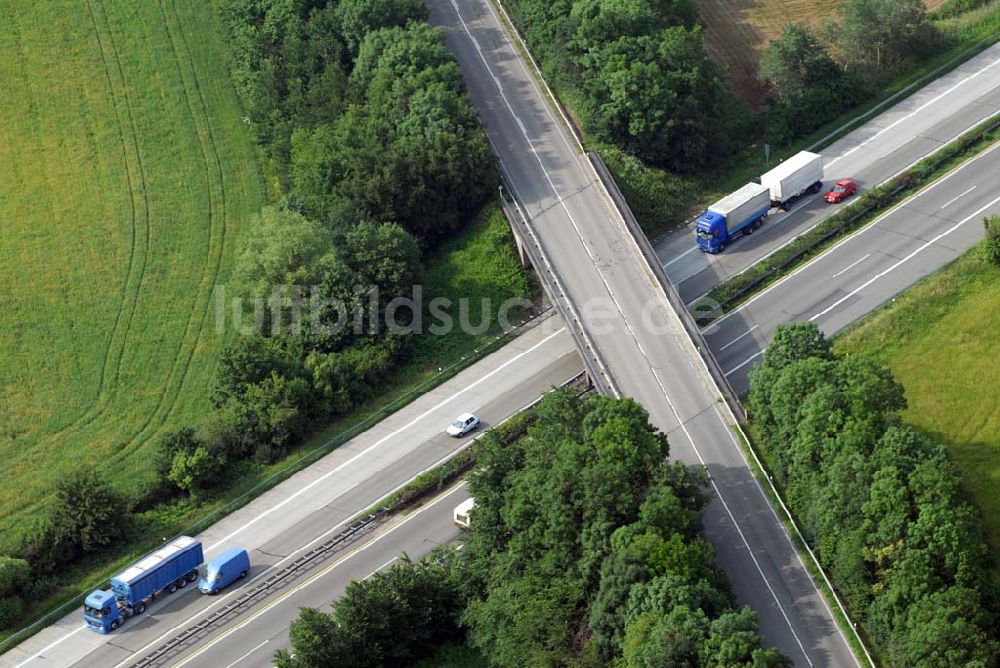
[
  {"x": 639, "y": 337},
  {"x": 315, "y": 503},
  {"x": 912, "y": 240},
  {"x": 884, "y": 146}
]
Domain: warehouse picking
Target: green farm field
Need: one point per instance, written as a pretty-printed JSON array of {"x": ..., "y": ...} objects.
[
  {"x": 127, "y": 173},
  {"x": 939, "y": 337}
]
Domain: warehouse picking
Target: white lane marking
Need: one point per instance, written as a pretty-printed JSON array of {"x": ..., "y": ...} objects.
[
  {"x": 50, "y": 646},
  {"x": 898, "y": 264},
  {"x": 913, "y": 113},
  {"x": 248, "y": 654},
  {"x": 746, "y": 333},
  {"x": 952, "y": 201},
  {"x": 744, "y": 363},
  {"x": 382, "y": 440},
  {"x": 836, "y": 247},
  {"x": 852, "y": 265},
  {"x": 326, "y": 571},
  {"x": 322, "y": 479},
  {"x": 685, "y": 253},
  {"x": 637, "y": 343},
  {"x": 379, "y": 568},
  {"x": 204, "y": 611}
]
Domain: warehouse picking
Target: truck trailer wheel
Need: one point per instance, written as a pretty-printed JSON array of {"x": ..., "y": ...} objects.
[
  {"x": 139, "y": 608},
  {"x": 172, "y": 587},
  {"x": 816, "y": 187},
  {"x": 182, "y": 582},
  {"x": 243, "y": 574},
  {"x": 115, "y": 624},
  {"x": 192, "y": 576}
]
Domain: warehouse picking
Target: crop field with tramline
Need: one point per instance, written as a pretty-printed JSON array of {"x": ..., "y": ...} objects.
[
  {"x": 737, "y": 31},
  {"x": 127, "y": 172}
]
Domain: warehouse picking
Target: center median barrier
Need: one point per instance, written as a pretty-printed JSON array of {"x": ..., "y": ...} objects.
[
  {"x": 732, "y": 401},
  {"x": 732, "y": 292},
  {"x": 424, "y": 486}
]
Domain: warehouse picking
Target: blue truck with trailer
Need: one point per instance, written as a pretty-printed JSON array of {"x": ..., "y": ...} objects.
[
  {"x": 169, "y": 568},
  {"x": 738, "y": 213}
]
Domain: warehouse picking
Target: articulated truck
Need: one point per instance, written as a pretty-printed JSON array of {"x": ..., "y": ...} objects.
[
  {"x": 800, "y": 174},
  {"x": 739, "y": 213},
  {"x": 169, "y": 568},
  {"x": 745, "y": 210}
]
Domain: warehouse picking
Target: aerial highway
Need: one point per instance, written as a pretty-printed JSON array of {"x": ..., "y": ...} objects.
[
  {"x": 252, "y": 638},
  {"x": 912, "y": 240},
  {"x": 316, "y": 502},
  {"x": 638, "y": 335},
  {"x": 895, "y": 139}
]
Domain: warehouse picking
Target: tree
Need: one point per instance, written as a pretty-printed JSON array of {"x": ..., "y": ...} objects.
[
  {"x": 660, "y": 97},
  {"x": 87, "y": 515},
  {"x": 15, "y": 580},
  {"x": 360, "y": 17},
  {"x": 877, "y": 34},
  {"x": 194, "y": 470},
  {"x": 315, "y": 640},
  {"x": 734, "y": 640},
  {"x": 990, "y": 245},
  {"x": 394, "y": 618},
  {"x": 282, "y": 248},
  {"x": 795, "y": 62},
  {"x": 795, "y": 341}
]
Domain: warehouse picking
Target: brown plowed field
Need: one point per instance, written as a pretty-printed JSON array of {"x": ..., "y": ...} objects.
[{"x": 737, "y": 31}]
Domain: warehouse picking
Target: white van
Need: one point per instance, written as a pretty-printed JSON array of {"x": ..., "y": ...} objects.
[{"x": 462, "y": 512}]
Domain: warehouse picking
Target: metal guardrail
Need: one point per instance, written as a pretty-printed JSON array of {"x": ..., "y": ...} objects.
[
  {"x": 320, "y": 553},
  {"x": 179, "y": 642},
  {"x": 603, "y": 380},
  {"x": 673, "y": 297}
]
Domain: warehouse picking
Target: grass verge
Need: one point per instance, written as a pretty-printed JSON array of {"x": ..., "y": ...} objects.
[
  {"x": 479, "y": 262},
  {"x": 939, "y": 338},
  {"x": 869, "y": 206}
]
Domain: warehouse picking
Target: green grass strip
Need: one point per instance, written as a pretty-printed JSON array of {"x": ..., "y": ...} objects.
[{"x": 870, "y": 205}]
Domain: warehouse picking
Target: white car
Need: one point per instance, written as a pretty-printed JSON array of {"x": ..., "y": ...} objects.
[{"x": 463, "y": 424}]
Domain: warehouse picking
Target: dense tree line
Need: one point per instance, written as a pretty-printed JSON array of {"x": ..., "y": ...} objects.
[
  {"x": 645, "y": 81},
  {"x": 638, "y": 76},
  {"x": 817, "y": 75},
  {"x": 362, "y": 111},
  {"x": 362, "y": 116},
  {"x": 585, "y": 547},
  {"x": 880, "y": 503}
]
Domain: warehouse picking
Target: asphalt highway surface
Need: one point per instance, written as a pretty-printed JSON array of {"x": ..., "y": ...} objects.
[
  {"x": 637, "y": 334},
  {"x": 315, "y": 503},
  {"x": 923, "y": 234},
  {"x": 910, "y": 130}
]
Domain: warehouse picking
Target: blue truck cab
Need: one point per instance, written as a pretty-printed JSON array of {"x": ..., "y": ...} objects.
[
  {"x": 712, "y": 232},
  {"x": 739, "y": 213},
  {"x": 231, "y": 565},
  {"x": 169, "y": 568}
]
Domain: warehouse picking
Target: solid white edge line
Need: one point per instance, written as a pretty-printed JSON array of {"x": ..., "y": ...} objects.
[
  {"x": 333, "y": 529},
  {"x": 305, "y": 489},
  {"x": 215, "y": 639},
  {"x": 233, "y": 664},
  {"x": 853, "y": 236},
  {"x": 906, "y": 258},
  {"x": 639, "y": 346},
  {"x": 912, "y": 113}
]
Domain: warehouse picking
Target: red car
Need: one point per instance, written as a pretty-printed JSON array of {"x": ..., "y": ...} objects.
[{"x": 841, "y": 190}]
